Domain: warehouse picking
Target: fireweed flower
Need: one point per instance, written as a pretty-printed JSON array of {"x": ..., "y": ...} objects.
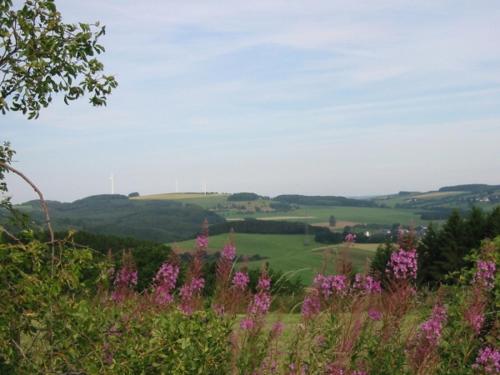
[
  {"x": 474, "y": 314},
  {"x": 374, "y": 314},
  {"x": 229, "y": 252},
  {"x": 125, "y": 280},
  {"x": 240, "y": 280},
  {"x": 260, "y": 304},
  {"x": 332, "y": 369},
  {"x": 350, "y": 237},
  {"x": 403, "y": 264},
  {"x": 329, "y": 285},
  {"x": 311, "y": 306},
  {"x": 366, "y": 284},
  {"x": 431, "y": 329},
  {"x": 247, "y": 324},
  {"x": 188, "y": 293},
  {"x": 277, "y": 329},
  {"x": 202, "y": 241},
  {"x": 264, "y": 283},
  {"x": 488, "y": 360},
  {"x": 164, "y": 282},
  {"x": 485, "y": 274}
]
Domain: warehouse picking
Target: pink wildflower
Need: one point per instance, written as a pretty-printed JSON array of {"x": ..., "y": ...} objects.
[
  {"x": 350, "y": 237},
  {"x": 328, "y": 285},
  {"x": 366, "y": 284},
  {"x": 247, "y": 324},
  {"x": 125, "y": 279},
  {"x": 485, "y": 274},
  {"x": 311, "y": 306},
  {"x": 431, "y": 329},
  {"x": 475, "y": 317},
  {"x": 277, "y": 329},
  {"x": 188, "y": 292},
  {"x": 374, "y": 314},
  {"x": 332, "y": 369},
  {"x": 229, "y": 252},
  {"x": 261, "y": 303},
  {"x": 403, "y": 264},
  {"x": 202, "y": 241},
  {"x": 488, "y": 359},
  {"x": 240, "y": 280},
  {"x": 264, "y": 283},
  {"x": 165, "y": 281}
]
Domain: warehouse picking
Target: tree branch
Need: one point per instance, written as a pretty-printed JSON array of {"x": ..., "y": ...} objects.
[{"x": 43, "y": 203}]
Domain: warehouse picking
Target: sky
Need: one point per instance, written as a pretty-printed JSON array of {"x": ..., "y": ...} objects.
[{"x": 312, "y": 97}]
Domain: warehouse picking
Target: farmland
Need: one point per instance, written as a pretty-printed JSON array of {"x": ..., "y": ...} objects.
[
  {"x": 319, "y": 214},
  {"x": 295, "y": 253}
]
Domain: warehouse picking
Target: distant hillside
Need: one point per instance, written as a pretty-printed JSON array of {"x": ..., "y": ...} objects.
[
  {"x": 162, "y": 221},
  {"x": 473, "y": 188},
  {"x": 437, "y": 205},
  {"x": 324, "y": 200},
  {"x": 239, "y": 197}
]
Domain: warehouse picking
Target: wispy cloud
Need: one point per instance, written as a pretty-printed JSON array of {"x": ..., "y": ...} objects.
[{"x": 208, "y": 87}]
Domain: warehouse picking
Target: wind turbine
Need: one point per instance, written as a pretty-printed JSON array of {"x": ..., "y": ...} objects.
[
  {"x": 176, "y": 185},
  {"x": 112, "y": 179}
]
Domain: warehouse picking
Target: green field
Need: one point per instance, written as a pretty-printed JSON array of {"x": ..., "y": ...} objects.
[
  {"x": 318, "y": 214},
  {"x": 200, "y": 199},
  {"x": 286, "y": 252}
]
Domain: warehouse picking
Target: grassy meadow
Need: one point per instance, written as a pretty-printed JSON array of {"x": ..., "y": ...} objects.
[
  {"x": 318, "y": 214},
  {"x": 297, "y": 254}
]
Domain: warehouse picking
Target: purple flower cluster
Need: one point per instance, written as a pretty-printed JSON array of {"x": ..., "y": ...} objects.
[
  {"x": 202, "y": 242},
  {"x": 366, "y": 284},
  {"x": 374, "y": 314},
  {"x": 188, "y": 292},
  {"x": 165, "y": 281},
  {"x": 350, "y": 237},
  {"x": 311, "y": 306},
  {"x": 485, "y": 274},
  {"x": 240, "y": 280},
  {"x": 475, "y": 316},
  {"x": 229, "y": 252},
  {"x": 331, "y": 284},
  {"x": 488, "y": 359},
  {"x": 277, "y": 329},
  {"x": 247, "y": 324},
  {"x": 403, "y": 264},
  {"x": 333, "y": 369},
  {"x": 264, "y": 283},
  {"x": 125, "y": 279},
  {"x": 260, "y": 304},
  {"x": 431, "y": 329}
]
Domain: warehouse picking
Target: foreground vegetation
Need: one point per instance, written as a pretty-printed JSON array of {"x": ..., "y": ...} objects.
[
  {"x": 64, "y": 311},
  {"x": 297, "y": 255}
]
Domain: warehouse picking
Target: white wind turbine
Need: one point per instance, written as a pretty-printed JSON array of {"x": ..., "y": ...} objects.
[{"x": 112, "y": 179}]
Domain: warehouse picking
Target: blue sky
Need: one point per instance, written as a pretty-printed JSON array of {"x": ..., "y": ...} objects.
[{"x": 313, "y": 97}]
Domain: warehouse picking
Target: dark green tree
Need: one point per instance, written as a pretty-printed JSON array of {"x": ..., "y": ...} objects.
[
  {"x": 428, "y": 256},
  {"x": 452, "y": 246},
  {"x": 492, "y": 225},
  {"x": 380, "y": 260},
  {"x": 332, "y": 221},
  {"x": 475, "y": 228}
]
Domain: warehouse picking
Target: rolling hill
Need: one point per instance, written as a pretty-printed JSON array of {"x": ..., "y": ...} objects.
[{"x": 161, "y": 221}]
